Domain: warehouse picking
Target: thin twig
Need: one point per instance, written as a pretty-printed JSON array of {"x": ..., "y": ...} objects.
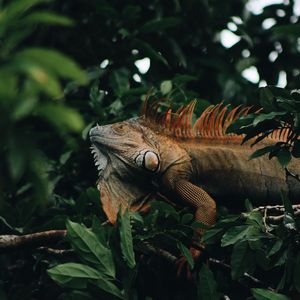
[
  {"x": 227, "y": 266},
  {"x": 56, "y": 252},
  {"x": 148, "y": 248},
  {"x": 289, "y": 173},
  {"x": 275, "y": 213}
]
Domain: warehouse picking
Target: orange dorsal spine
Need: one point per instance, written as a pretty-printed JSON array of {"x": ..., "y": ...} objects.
[{"x": 211, "y": 124}]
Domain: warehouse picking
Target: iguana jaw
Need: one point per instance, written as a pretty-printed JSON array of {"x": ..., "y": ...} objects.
[{"x": 100, "y": 158}]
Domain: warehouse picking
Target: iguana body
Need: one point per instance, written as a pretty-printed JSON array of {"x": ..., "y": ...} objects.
[{"x": 195, "y": 164}]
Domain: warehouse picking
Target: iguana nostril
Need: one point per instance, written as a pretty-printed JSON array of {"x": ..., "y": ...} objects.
[{"x": 92, "y": 131}]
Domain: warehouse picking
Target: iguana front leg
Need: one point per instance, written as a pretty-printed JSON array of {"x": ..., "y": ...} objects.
[{"x": 205, "y": 206}]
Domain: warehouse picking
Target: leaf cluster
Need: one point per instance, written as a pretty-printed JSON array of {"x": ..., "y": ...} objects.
[{"x": 279, "y": 117}]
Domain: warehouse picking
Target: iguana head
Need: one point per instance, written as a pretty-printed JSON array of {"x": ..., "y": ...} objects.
[{"x": 129, "y": 156}]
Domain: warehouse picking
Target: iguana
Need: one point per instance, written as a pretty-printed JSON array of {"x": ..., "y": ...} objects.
[{"x": 193, "y": 163}]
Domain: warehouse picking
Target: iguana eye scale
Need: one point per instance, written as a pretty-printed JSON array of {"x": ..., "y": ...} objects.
[{"x": 151, "y": 161}]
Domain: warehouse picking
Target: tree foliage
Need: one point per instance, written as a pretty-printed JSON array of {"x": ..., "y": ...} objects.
[{"x": 65, "y": 65}]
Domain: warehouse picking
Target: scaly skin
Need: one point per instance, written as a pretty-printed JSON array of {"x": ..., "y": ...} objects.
[{"x": 194, "y": 166}]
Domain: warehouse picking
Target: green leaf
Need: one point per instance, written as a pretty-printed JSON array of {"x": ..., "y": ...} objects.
[
  {"x": 184, "y": 78},
  {"x": 269, "y": 116},
  {"x": 287, "y": 30},
  {"x": 296, "y": 276},
  {"x": 178, "y": 52},
  {"x": 245, "y": 63},
  {"x": 288, "y": 217},
  {"x": 212, "y": 235},
  {"x": 89, "y": 248},
  {"x": 45, "y": 80},
  {"x": 18, "y": 7},
  {"x": 267, "y": 99},
  {"x": 73, "y": 275},
  {"x": 109, "y": 287},
  {"x": 46, "y": 17},
  {"x": 61, "y": 116},
  {"x": 248, "y": 205},
  {"x": 24, "y": 107},
  {"x": 119, "y": 81},
  {"x": 276, "y": 247},
  {"x": 148, "y": 50},
  {"x": 166, "y": 87},
  {"x": 237, "y": 233},
  {"x": 242, "y": 260},
  {"x": 187, "y": 254},
  {"x": 54, "y": 61},
  {"x": 207, "y": 286},
  {"x": 262, "y": 151},
  {"x": 126, "y": 239},
  {"x": 296, "y": 149},
  {"x": 262, "y": 294},
  {"x": 159, "y": 24},
  {"x": 287, "y": 203},
  {"x": 187, "y": 218},
  {"x": 17, "y": 159},
  {"x": 79, "y": 295},
  {"x": 284, "y": 157}
]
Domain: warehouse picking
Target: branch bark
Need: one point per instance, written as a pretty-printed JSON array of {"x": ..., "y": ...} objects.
[{"x": 13, "y": 242}]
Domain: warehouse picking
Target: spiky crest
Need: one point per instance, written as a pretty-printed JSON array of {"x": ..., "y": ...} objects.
[{"x": 212, "y": 123}]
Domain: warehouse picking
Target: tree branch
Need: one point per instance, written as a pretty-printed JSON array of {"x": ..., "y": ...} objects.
[
  {"x": 275, "y": 214},
  {"x": 13, "y": 242}
]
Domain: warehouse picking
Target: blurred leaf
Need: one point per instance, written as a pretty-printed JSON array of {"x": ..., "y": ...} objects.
[
  {"x": 61, "y": 116},
  {"x": 183, "y": 78},
  {"x": 53, "y": 61},
  {"x": 286, "y": 30},
  {"x": 148, "y": 50},
  {"x": 166, "y": 87},
  {"x": 178, "y": 52},
  {"x": 119, "y": 81},
  {"x": 89, "y": 248},
  {"x": 24, "y": 107},
  {"x": 187, "y": 218},
  {"x": 262, "y": 294},
  {"x": 126, "y": 239},
  {"x": 207, "y": 286},
  {"x": 245, "y": 63},
  {"x": 46, "y": 17},
  {"x": 16, "y": 160},
  {"x": 159, "y": 24}
]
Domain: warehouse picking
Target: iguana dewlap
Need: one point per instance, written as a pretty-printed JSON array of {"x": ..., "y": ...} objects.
[{"x": 194, "y": 164}]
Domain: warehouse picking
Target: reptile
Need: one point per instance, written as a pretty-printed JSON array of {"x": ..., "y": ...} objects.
[{"x": 193, "y": 163}]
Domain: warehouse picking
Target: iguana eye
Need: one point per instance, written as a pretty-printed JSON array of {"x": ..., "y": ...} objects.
[
  {"x": 149, "y": 161},
  {"x": 119, "y": 128}
]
